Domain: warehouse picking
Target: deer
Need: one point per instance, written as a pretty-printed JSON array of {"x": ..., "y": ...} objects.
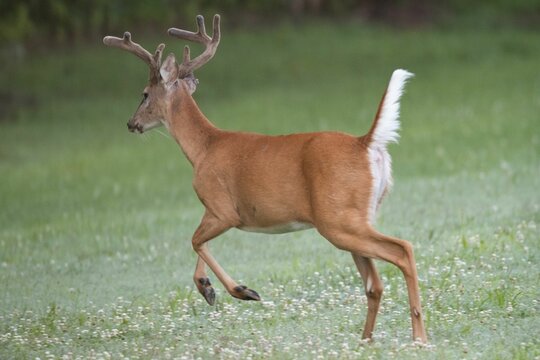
[{"x": 331, "y": 181}]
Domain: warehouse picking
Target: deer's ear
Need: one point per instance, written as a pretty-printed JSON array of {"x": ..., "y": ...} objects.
[{"x": 169, "y": 69}]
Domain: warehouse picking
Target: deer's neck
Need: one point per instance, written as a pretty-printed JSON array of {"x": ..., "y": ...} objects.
[{"x": 189, "y": 127}]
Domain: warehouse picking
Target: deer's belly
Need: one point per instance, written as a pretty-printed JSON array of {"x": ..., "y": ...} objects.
[{"x": 278, "y": 228}]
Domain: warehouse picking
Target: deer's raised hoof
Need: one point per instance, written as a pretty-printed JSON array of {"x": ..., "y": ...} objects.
[
  {"x": 243, "y": 293},
  {"x": 207, "y": 291}
]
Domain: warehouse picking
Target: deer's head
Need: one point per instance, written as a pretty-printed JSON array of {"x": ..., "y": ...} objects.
[{"x": 166, "y": 78}]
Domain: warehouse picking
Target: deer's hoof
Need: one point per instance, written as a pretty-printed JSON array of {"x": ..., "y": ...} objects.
[
  {"x": 243, "y": 293},
  {"x": 207, "y": 291}
]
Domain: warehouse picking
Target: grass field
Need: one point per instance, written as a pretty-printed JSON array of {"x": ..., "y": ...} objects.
[{"x": 96, "y": 223}]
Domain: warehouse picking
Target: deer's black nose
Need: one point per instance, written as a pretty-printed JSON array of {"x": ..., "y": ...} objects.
[{"x": 131, "y": 127}]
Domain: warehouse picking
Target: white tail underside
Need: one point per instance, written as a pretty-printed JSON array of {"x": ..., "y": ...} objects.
[{"x": 386, "y": 131}]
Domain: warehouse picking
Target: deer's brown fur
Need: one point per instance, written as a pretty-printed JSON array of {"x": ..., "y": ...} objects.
[{"x": 255, "y": 182}]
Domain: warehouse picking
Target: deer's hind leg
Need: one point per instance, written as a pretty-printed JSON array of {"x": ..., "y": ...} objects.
[
  {"x": 364, "y": 241},
  {"x": 374, "y": 289}
]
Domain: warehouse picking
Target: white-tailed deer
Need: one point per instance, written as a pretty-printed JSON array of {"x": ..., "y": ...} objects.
[{"x": 331, "y": 181}]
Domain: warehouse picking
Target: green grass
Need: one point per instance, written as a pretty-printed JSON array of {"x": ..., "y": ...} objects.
[{"x": 95, "y": 222}]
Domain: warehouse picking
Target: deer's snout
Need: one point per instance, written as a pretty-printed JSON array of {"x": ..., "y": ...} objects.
[{"x": 134, "y": 127}]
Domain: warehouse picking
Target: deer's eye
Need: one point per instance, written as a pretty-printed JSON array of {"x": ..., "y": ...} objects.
[{"x": 145, "y": 96}]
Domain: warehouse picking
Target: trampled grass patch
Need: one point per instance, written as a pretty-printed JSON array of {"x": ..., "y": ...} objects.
[{"x": 95, "y": 227}]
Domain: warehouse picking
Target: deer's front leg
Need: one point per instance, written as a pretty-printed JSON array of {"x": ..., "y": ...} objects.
[
  {"x": 209, "y": 228},
  {"x": 203, "y": 282}
]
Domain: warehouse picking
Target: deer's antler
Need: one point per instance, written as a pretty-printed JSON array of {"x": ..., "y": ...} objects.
[
  {"x": 125, "y": 43},
  {"x": 211, "y": 43}
]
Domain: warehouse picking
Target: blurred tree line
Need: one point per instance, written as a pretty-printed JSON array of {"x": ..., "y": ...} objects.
[{"x": 56, "y": 22}]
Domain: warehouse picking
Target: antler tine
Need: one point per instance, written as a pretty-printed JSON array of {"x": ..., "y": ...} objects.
[
  {"x": 186, "y": 57},
  {"x": 158, "y": 54},
  {"x": 201, "y": 28},
  {"x": 216, "y": 30},
  {"x": 201, "y": 37},
  {"x": 128, "y": 45},
  {"x": 125, "y": 43}
]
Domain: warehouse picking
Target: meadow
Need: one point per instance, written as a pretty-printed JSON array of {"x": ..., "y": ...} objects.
[{"x": 96, "y": 223}]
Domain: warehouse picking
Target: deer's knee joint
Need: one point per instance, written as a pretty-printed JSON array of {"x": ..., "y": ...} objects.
[
  {"x": 406, "y": 261},
  {"x": 374, "y": 291},
  {"x": 407, "y": 248},
  {"x": 196, "y": 245}
]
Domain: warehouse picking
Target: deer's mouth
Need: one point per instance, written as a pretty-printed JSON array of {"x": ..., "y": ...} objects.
[{"x": 135, "y": 128}]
